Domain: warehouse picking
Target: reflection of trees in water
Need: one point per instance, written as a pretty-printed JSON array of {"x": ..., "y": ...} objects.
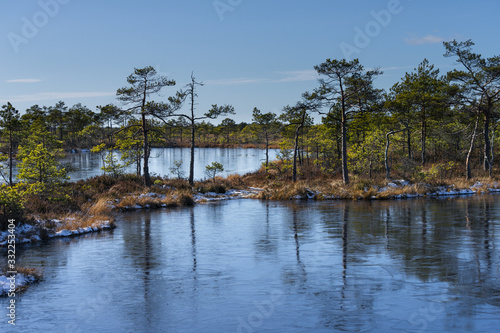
[
  {"x": 140, "y": 248},
  {"x": 353, "y": 311},
  {"x": 435, "y": 240},
  {"x": 451, "y": 241},
  {"x": 143, "y": 246},
  {"x": 267, "y": 241},
  {"x": 345, "y": 301},
  {"x": 296, "y": 275},
  {"x": 193, "y": 240},
  {"x": 478, "y": 276},
  {"x": 162, "y": 283},
  {"x": 300, "y": 265},
  {"x": 140, "y": 244}
]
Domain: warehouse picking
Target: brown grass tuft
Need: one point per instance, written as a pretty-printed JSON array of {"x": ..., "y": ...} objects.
[{"x": 101, "y": 207}]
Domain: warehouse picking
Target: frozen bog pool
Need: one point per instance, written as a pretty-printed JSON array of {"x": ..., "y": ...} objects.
[{"x": 254, "y": 266}]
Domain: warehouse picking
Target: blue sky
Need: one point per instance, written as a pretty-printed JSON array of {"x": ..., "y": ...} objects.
[{"x": 248, "y": 53}]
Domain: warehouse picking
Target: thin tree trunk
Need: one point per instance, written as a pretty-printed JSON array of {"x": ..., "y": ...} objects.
[
  {"x": 487, "y": 146},
  {"x": 296, "y": 146},
  {"x": 468, "y": 174},
  {"x": 386, "y": 157},
  {"x": 492, "y": 147},
  {"x": 294, "y": 170},
  {"x": 191, "y": 162},
  {"x": 307, "y": 155},
  {"x": 339, "y": 149},
  {"x": 11, "y": 152},
  {"x": 410, "y": 153},
  {"x": 345, "y": 171},
  {"x": 147, "y": 178},
  {"x": 295, "y": 153},
  {"x": 267, "y": 151},
  {"x": 138, "y": 166},
  {"x": 423, "y": 134}
]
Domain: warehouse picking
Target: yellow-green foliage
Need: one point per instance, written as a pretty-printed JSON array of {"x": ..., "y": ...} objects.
[
  {"x": 40, "y": 165},
  {"x": 367, "y": 156},
  {"x": 11, "y": 204},
  {"x": 284, "y": 158},
  {"x": 437, "y": 172}
]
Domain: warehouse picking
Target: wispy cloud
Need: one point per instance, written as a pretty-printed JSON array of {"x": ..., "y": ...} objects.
[
  {"x": 287, "y": 76},
  {"x": 429, "y": 39},
  {"x": 24, "y": 81},
  {"x": 297, "y": 76},
  {"x": 56, "y": 96},
  {"x": 394, "y": 68},
  {"x": 237, "y": 81}
]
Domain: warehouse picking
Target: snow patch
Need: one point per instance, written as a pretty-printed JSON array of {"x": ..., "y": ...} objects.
[
  {"x": 63, "y": 233},
  {"x": 21, "y": 281}
]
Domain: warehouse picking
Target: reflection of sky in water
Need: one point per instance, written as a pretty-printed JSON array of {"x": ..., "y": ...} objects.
[{"x": 380, "y": 266}]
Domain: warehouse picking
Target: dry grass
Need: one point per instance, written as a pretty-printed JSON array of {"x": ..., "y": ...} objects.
[
  {"x": 30, "y": 271},
  {"x": 283, "y": 191},
  {"x": 77, "y": 212},
  {"x": 126, "y": 202},
  {"x": 101, "y": 207},
  {"x": 75, "y": 221},
  {"x": 93, "y": 215},
  {"x": 461, "y": 183},
  {"x": 181, "y": 199},
  {"x": 175, "y": 198},
  {"x": 416, "y": 189},
  {"x": 133, "y": 200},
  {"x": 126, "y": 186},
  {"x": 235, "y": 181}
]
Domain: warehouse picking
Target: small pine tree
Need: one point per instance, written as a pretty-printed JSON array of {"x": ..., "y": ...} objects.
[
  {"x": 40, "y": 166},
  {"x": 177, "y": 170},
  {"x": 213, "y": 169}
]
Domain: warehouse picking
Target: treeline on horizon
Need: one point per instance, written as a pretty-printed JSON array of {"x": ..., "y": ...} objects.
[{"x": 428, "y": 125}]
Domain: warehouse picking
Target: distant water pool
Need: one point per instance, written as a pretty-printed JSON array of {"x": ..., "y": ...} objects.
[{"x": 234, "y": 160}]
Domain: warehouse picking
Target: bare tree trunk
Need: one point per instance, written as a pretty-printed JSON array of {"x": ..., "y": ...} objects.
[
  {"x": 193, "y": 130},
  {"x": 345, "y": 170},
  {"x": 307, "y": 155},
  {"x": 191, "y": 162},
  {"x": 468, "y": 174},
  {"x": 147, "y": 178},
  {"x": 267, "y": 151},
  {"x": 492, "y": 147},
  {"x": 487, "y": 144},
  {"x": 138, "y": 165},
  {"x": 11, "y": 158},
  {"x": 410, "y": 153},
  {"x": 386, "y": 155},
  {"x": 295, "y": 153},
  {"x": 296, "y": 145},
  {"x": 423, "y": 134}
]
